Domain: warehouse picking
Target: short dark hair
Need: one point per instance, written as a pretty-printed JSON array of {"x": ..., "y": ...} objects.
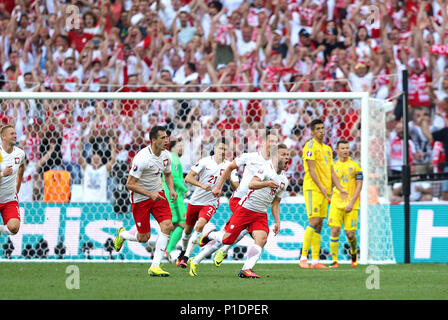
[
  {"x": 342, "y": 141},
  {"x": 315, "y": 122},
  {"x": 154, "y": 133},
  {"x": 282, "y": 146}
]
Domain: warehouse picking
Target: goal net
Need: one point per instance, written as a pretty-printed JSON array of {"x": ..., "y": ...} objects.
[{"x": 71, "y": 212}]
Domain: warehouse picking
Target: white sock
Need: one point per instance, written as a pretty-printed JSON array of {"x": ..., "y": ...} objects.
[
  {"x": 185, "y": 238},
  {"x": 207, "y": 250},
  {"x": 129, "y": 235},
  {"x": 314, "y": 261},
  {"x": 161, "y": 243},
  {"x": 216, "y": 235},
  {"x": 4, "y": 229},
  {"x": 194, "y": 240},
  {"x": 253, "y": 253},
  {"x": 226, "y": 247}
]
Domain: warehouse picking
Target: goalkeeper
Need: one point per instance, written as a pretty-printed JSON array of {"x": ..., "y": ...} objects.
[{"x": 178, "y": 207}]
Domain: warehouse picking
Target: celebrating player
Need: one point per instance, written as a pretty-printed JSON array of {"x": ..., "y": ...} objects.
[
  {"x": 12, "y": 166},
  {"x": 147, "y": 197},
  {"x": 178, "y": 208},
  {"x": 319, "y": 177},
  {"x": 250, "y": 162},
  {"x": 266, "y": 189},
  {"x": 349, "y": 174},
  {"x": 203, "y": 204}
]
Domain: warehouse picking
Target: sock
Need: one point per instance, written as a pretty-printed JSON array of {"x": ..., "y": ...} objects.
[
  {"x": 216, "y": 235},
  {"x": 4, "y": 229},
  {"x": 175, "y": 236},
  {"x": 315, "y": 247},
  {"x": 353, "y": 245},
  {"x": 309, "y": 231},
  {"x": 130, "y": 235},
  {"x": 226, "y": 247},
  {"x": 185, "y": 238},
  {"x": 253, "y": 253},
  {"x": 194, "y": 240},
  {"x": 207, "y": 250},
  {"x": 334, "y": 245},
  {"x": 161, "y": 243}
]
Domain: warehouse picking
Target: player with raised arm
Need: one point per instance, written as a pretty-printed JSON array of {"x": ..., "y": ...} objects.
[
  {"x": 147, "y": 197},
  {"x": 266, "y": 189},
  {"x": 319, "y": 178},
  {"x": 250, "y": 162},
  {"x": 12, "y": 167},
  {"x": 350, "y": 176},
  {"x": 203, "y": 204}
]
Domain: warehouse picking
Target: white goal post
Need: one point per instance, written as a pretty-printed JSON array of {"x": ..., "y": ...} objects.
[{"x": 374, "y": 215}]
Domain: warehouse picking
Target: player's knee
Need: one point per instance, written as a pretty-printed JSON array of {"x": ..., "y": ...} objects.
[
  {"x": 14, "y": 227},
  {"x": 335, "y": 231},
  {"x": 200, "y": 225},
  {"x": 166, "y": 227},
  {"x": 350, "y": 235}
]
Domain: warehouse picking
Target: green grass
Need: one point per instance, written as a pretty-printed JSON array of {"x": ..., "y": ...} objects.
[{"x": 279, "y": 282}]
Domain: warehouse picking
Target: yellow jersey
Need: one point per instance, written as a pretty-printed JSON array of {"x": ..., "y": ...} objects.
[
  {"x": 322, "y": 155},
  {"x": 348, "y": 173}
]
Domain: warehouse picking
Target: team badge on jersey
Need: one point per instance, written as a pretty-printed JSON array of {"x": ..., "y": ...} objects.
[
  {"x": 165, "y": 162},
  {"x": 17, "y": 160},
  {"x": 309, "y": 153}
]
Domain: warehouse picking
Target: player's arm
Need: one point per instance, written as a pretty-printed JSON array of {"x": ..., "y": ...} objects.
[
  {"x": 191, "y": 179},
  {"x": 359, "y": 181},
  {"x": 275, "y": 210},
  {"x": 20, "y": 176},
  {"x": 225, "y": 175},
  {"x": 170, "y": 184},
  {"x": 257, "y": 183},
  {"x": 315, "y": 178},
  {"x": 132, "y": 185},
  {"x": 335, "y": 181},
  {"x": 234, "y": 181}
]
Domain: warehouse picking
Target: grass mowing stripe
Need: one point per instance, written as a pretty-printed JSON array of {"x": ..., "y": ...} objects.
[{"x": 288, "y": 282}]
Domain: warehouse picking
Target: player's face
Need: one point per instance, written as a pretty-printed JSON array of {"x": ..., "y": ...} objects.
[
  {"x": 319, "y": 131},
  {"x": 283, "y": 158},
  {"x": 161, "y": 141},
  {"x": 343, "y": 150},
  {"x": 9, "y": 136},
  {"x": 220, "y": 151}
]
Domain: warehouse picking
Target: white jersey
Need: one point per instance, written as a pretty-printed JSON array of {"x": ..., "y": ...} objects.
[
  {"x": 95, "y": 184},
  {"x": 259, "y": 200},
  {"x": 148, "y": 168},
  {"x": 252, "y": 162},
  {"x": 209, "y": 173},
  {"x": 8, "y": 185}
]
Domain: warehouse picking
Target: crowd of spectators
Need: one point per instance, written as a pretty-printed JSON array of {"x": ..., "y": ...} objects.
[{"x": 218, "y": 46}]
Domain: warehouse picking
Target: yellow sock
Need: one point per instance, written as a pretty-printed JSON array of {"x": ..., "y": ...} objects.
[
  {"x": 315, "y": 246},
  {"x": 309, "y": 232},
  {"x": 353, "y": 245},
  {"x": 334, "y": 246}
]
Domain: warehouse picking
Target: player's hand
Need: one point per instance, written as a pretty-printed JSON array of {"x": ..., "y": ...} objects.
[
  {"x": 173, "y": 196},
  {"x": 155, "y": 196},
  {"x": 349, "y": 208},
  {"x": 206, "y": 188},
  {"x": 276, "y": 228},
  {"x": 272, "y": 184},
  {"x": 217, "y": 192},
  {"x": 7, "y": 171}
]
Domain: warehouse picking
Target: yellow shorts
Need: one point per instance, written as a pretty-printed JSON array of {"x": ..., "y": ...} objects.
[
  {"x": 316, "y": 204},
  {"x": 338, "y": 216}
]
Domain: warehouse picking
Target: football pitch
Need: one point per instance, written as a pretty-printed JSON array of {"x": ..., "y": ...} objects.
[{"x": 130, "y": 281}]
